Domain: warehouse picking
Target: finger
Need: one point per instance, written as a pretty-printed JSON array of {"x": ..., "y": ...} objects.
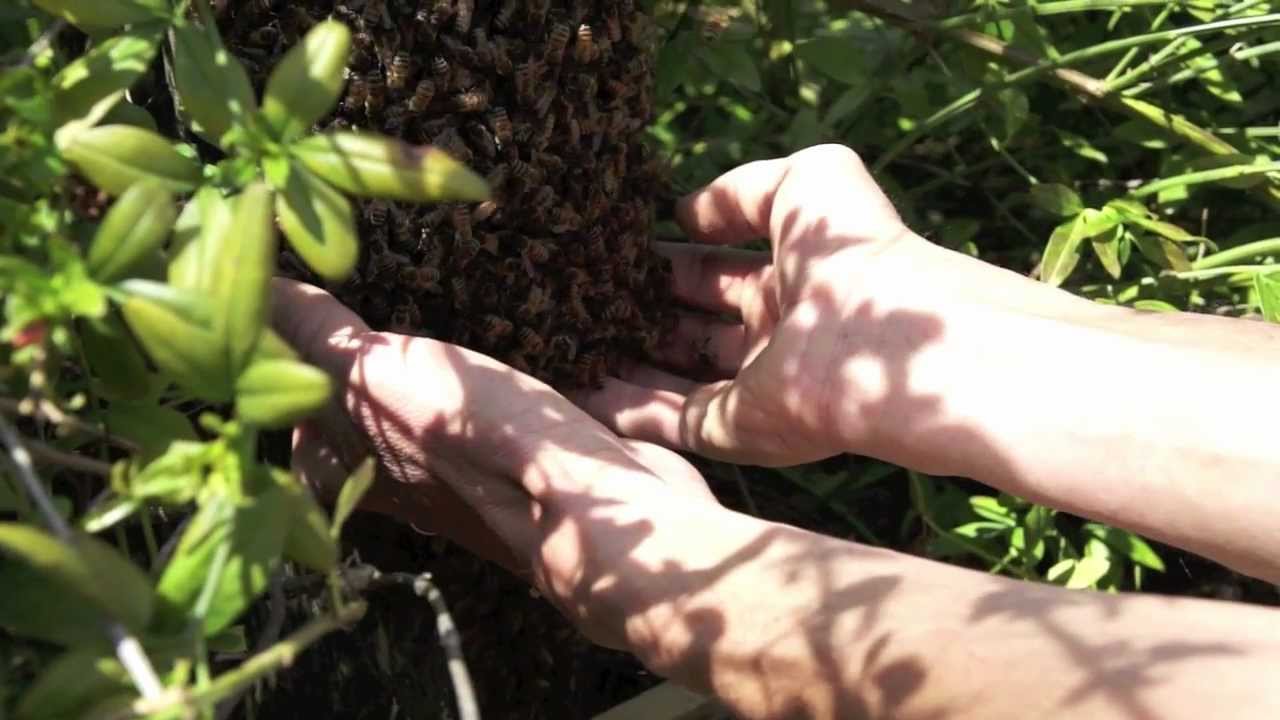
[
  {"x": 652, "y": 377},
  {"x": 735, "y": 207},
  {"x": 637, "y": 412},
  {"x": 712, "y": 278},
  {"x": 315, "y": 324},
  {"x": 700, "y": 343},
  {"x": 672, "y": 469}
]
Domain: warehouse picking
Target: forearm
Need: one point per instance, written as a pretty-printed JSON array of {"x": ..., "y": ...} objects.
[
  {"x": 778, "y": 622},
  {"x": 1159, "y": 423}
]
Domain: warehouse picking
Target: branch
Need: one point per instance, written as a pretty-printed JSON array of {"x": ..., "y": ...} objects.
[{"x": 128, "y": 650}]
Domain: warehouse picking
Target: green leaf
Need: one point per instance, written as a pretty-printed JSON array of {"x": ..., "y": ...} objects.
[
  {"x": 1060, "y": 571},
  {"x": 252, "y": 530},
  {"x": 111, "y": 67},
  {"x": 105, "y": 13},
  {"x": 113, "y": 157},
  {"x": 319, "y": 224},
  {"x": 306, "y": 84},
  {"x": 93, "y": 572},
  {"x": 1153, "y": 305},
  {"x": 1127, "y": 544},
  {"x": 992, "y": 509},
  {"x": 119, "y": 370},
  {"x": 108, "y": 513},
  {"x": 1056, "y": 199},
  {"x": 353, "y": 491},
  {"x": 732, "y": 62},
  {"x": 151, "y": 426},
  {"x": 1087, "y": 571},
  {"x": 1267, "y": 285},
  {"x": 308, "y": 542},
  {"x": 134, "y": 228},
  {"x": 1106, "y": 248},
  {"x": 372, "y": 165},
  {"x": 176, "y": 329},
  {"x": 240, "y": 281},
  {"x": 196, "y": 238},
  {"x": 1162, "y": 252},
  {"x": 836, "y": 57},
  {"x": 1082, "y": 147},
  {"x": 1062, "y": 252},
  {"x": 1013, "y": 109},
  {"x": 1143, "y": 133},
  {"x": 1166, "y": 230},
  {"x": 77, "y": 679},
  {"x": 278, "y": 393},
  {"x": 213, "y": 86},
  {"x": 175, "y": 477}
]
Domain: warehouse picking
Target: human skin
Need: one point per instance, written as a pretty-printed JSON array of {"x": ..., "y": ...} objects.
[{"x": 852, "y": 335}]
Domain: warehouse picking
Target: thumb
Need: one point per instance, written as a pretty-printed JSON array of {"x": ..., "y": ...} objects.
[{"x": 324, "y": 331}]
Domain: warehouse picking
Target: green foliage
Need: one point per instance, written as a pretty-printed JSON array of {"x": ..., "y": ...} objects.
[{"x": 135, "y": 268}]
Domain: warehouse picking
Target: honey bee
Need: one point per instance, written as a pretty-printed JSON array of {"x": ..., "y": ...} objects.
[
  {"x": 440, "y": 68},
  {"x": 536, "y": 251},
  {"x": 563, "y": 347},
  {"x": 536, "y": 12},
  {"x": 375, "y": 91},
  {"x": 398, "y": 71},
  {"x": 422, "y": 95},
  {"x": 372, "y": 15},
  {"x": 432, "y": 249},
  {"x": 440, "y": 12},
  {"x": 518, "y": 362},
  {"x": 384, "y": 262},
  {"x": 534, "y": 304},
  {"x": 502, "y": 57},
  {"x": 452, "y": 143},
  {"x": 498, "y": 176},
  {"x": 596, "y": 248},
  {"x": 376, "y": 211},
  {"x": 530, "y": 341},
  {"x": 462, "y": 12},
  {"x": 470, "y": 101},
  {"x": 619, "y": 309},
  {"x": 523, "y": 171},
  {"x": 484, "y": 211},
  {"x": 579, "y": 10},
  {"x": 589, "y": 369},
  {"x": 494, "y": 328},
  {"x": 425, "y": 278},
  {"x": 357, "y": 91},
  {"x": 500, "y": 123},
  {"x": 394, "y": 119},
  {"x": 584, "y": 47},
  {"x": 481, "y": 139},
  {"x": 461, "y": 220},
  {"x": 264, "y": 37},
  {"x": 542, "y": 103},
  {"x": 557, "y": 39},
  {"x": 613, "y": 24},
  {"x": 565, "y": 219},
  {"x": 458, "y": 293},
  {"x": 502, "y": 19},
  {"x": 464, "y": 250},
  {"x": 573, "y": 134}
]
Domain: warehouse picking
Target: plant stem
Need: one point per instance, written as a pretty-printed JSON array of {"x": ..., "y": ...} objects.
[
  {"x": 1228, "y": 270},
  {"x": 1132, "y": 53},
  {"x": 128, "y": 650},
  {"x": 1259, "y": 248},
  {"x": 1206, "y": 176},
  {"x": 1062, "y": 7},
  {"x": 278, "y": 656},
  {"x": 917, "y": 499}
]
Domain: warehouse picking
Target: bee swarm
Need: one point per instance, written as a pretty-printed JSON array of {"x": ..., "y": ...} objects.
[{"x": 549, "y": 100}]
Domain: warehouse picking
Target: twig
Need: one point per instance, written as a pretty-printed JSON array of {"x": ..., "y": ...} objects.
[
  {"x": 9, "y": 406},
  {"x": 451, "y": 641},
  {"x": 71, "y": 461},
  {"x": 128, "y": 650},
  {"x": 278, "y": 656}
]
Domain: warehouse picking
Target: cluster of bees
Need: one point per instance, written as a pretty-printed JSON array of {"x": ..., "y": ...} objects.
[{"x": 549, "y": 100}]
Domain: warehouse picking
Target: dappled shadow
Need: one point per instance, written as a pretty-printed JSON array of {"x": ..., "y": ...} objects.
[{"x": 860, "y": 638}]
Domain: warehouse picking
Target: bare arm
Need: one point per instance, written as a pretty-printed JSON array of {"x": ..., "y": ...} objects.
[{"x": 856, "y": 335}]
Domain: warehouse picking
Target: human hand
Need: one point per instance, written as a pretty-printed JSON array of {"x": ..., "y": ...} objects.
[
  {"x": 782, "y": 393},
  {"x": 482, "y": 454}
]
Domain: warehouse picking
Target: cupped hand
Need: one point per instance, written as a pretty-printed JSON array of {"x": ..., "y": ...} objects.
[
  {"x": 480, "y": 453},
  {"x": 774, "y": 330}
]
